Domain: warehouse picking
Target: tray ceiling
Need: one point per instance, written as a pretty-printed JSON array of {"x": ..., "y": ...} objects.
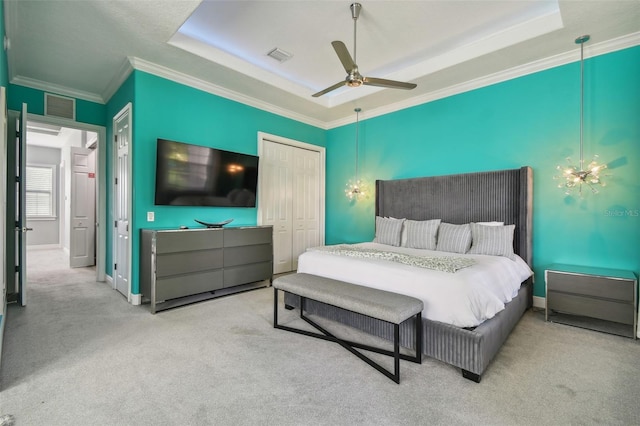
[{"x": 86, "y": 48}]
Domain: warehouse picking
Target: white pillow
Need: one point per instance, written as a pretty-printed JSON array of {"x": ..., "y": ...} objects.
[
  {"x": 454, "y": 238},
  {"x": 421, "y": 234},
  {"x": 492, "y": 240},
  {"x": 388, "y": 230},
  {"x": 491, "y": 223}
]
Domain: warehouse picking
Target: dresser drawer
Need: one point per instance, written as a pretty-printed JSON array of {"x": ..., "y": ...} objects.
[
  {"x": 190, "y": 261},
  {"x": 188, "y": 240},
  {"x": 590, "y": 285},
  {"x": 247, "y": 273},
  {"x": 185, "y": 285},
  {"x": 242, "y": 255},
  {"x": 591, "y": 307},
  {"x": 234, "y": 237}
]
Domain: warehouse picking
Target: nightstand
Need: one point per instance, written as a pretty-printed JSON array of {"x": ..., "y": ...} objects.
[{"x": 595, "y": 298}]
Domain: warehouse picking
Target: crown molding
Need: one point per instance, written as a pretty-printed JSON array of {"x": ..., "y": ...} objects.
[
  {"x": 196, "y": 83},
  {"x": 10, "y": 23},
  {"x": 57, "y": 89},
  {"x": 609, "y": 46},
  {"x": 118, "y": 79},
  {"x": 131, "y": 63}
]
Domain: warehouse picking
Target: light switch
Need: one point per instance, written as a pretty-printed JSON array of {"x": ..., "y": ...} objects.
[{"x": 151, "y": 216}]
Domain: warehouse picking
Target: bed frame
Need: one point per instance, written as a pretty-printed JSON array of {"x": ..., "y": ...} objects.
[{"x": 504, "y": 195}]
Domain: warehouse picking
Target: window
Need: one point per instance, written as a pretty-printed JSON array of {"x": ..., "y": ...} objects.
[{"x": 40, "y": 192}]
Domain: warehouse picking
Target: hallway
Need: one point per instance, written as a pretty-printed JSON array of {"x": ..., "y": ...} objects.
[{"x": 51, "y": 265}]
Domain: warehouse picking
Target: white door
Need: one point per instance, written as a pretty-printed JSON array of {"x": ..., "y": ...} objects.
[
  {"x": 306, "y": 202},
  {"x": 82, "y": 247},
  {"x": 122, "y": 136},
  {"x": 276, "y": 202},
  {"x": 291, "y": 197}
]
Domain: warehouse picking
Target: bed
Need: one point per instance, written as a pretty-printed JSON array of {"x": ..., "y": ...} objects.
[{"x": 496, "y": 196}]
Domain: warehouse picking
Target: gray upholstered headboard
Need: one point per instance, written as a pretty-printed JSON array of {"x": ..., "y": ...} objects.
[{"x": 503, "y": 195}]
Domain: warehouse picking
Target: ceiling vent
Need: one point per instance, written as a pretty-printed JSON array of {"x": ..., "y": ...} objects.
[
  {"x": 59, "y": 106},
  {"x": 279, "y": 55}
]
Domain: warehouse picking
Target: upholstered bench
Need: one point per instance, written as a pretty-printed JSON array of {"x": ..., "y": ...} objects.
[{"x": 383, "y": 305}]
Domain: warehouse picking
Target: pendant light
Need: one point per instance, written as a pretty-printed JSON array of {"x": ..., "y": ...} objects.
[
  {"x": 356, "y": 188},
  {"x": 574, "y": 177}
]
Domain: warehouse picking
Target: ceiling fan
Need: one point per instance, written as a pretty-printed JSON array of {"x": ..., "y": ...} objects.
[{"x": 354, "y": 78}]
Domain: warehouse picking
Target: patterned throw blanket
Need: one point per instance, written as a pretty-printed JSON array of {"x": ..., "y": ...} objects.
[{"x": 449, "y": 264}]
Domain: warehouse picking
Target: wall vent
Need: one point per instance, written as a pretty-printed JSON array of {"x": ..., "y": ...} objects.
[{"x": 59, "y": 106}]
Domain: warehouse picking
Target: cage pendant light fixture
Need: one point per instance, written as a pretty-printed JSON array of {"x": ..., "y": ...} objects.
[
  {"x": 356, "y": 188},
  {"x": 574, "y": 177}
]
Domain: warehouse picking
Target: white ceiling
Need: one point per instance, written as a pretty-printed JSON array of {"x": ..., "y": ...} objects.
[
  {"x": 87, "y": 48},
  {"x": 54, "y": 136}
]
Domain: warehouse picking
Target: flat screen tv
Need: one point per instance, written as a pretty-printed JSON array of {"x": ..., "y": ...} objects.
[{"x": 194, "y": 175}]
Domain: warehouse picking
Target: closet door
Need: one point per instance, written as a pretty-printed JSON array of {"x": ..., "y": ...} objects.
[
  {"x": 306, "y": 201},
  {"x": 276, "y": 201},
  {"x": 291, "y": 200}
]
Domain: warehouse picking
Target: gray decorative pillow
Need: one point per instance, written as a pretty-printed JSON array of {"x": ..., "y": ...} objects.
[
  {"x": 492, "y": 240},
  {"x": 388, "y": 230},
  {"x": 421, "y": 234},
  {"x": 454, "y": 238}
]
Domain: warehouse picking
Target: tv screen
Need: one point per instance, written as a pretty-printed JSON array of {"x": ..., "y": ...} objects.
[{"x": 193, "y": 175}]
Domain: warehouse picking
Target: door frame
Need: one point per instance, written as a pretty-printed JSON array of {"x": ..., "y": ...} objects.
[
  {"x": 101, "y": 178},
  {"x": 262, "y": 138},
  {"x": 134, "y": 299}
]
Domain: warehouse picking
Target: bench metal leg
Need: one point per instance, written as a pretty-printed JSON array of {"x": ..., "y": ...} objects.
[{"x": 350, "y": 346}]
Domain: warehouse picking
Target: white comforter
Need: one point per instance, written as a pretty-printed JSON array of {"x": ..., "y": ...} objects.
[{"x": 465, "y": 298}]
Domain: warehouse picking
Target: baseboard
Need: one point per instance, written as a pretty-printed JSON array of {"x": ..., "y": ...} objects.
[
  {"x": 3, "y": 320},
  {"x": 539, "y": 302},
  {"x": 136, "y": 299}
]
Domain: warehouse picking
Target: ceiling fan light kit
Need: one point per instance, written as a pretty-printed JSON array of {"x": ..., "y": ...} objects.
[{"x": 354, "y": 78}]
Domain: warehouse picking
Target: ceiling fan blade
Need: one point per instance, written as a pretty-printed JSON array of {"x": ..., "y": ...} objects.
[
  {"x": 381, "y": 82},
  {"x": 329, "y": 89},
  {"x": 344, "y": 56}
]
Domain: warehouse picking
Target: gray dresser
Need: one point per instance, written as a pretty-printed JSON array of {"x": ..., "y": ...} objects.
[
  {"x": 189, "y": 265},
  {"x": 595, "y": 298}
]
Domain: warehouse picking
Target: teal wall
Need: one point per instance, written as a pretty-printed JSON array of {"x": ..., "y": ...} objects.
[
  {"x": 532, "y": 120},
  {"x": 86, "y": 111},
  {"x": 165, "y": 109}
]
